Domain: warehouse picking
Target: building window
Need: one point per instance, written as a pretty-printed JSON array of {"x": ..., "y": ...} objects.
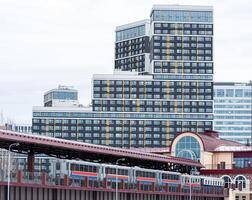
[
  {"x": 227, "y": 181},
  {"x": 188, "y": 147},
  {"x": 240, "y": 182}
]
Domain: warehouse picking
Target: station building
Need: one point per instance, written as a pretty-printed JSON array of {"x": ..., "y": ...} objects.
[{"x": 227, "y": 159}]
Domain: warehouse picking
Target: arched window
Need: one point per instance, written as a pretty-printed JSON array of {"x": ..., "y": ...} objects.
[
  {"x": 188, "y": 147},
  {"x": 240, "y": 181},
  {"x": 227, "y": 181}
]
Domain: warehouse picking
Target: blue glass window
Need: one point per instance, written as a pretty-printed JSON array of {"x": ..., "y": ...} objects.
[
  {"x": 182, "y": 16},
  {"x": 130, "y": 33},
  {"x": 188, "y": 147},
  {"x": 65, "y": 95}
]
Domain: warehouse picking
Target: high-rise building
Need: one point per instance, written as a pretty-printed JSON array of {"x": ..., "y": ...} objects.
[
  {"x": 132, "y": 47},
  {"x": 232, "y": 111},
  {"x": 62, "y": 96},
  {"x": 162, "y": 84}
]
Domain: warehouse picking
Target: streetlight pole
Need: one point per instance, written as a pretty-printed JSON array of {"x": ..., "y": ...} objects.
[
  {"x": 190, "y": 182},
  {"x": 8, "y": 183},
  {"x": 120, "y": 159}
]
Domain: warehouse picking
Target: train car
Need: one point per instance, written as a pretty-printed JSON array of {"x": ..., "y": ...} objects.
[
  {"x": 170, "y": 178},
  {"x": 146, "y": 176},
  {"x": 145, "y": 179},
  {"x": 94, "y": 174},
  {"x": 191, "y": 181},
  {"x": 84, "y": 173},
  {"x": 80, "y": 169},
  {"x": 116, "y": 173}
]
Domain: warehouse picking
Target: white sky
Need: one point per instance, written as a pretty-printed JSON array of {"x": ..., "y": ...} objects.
[{"x": 44, "y": 43}]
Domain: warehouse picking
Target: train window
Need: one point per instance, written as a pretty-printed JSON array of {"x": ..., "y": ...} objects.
[
  {"x": 110, "y": 171},
  {"x": 145, "y": 174},
  {"x": 119, "y": 172},
  {"x": 170, "y": 176},
  {"x": 74, "y": 167},
  {"x": 122, "y": 172}
]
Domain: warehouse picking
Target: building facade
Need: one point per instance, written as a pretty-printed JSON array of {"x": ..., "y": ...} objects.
[
  {"x": 232, "y": 111},
  {"x": 64, "y": 96},
  {"x": 132, "y": 47},
  {"x": 162, "y": 84}
]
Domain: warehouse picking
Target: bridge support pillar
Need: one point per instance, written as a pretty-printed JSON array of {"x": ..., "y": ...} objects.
[
  {"x": 86, "y": 182},
  {"x": 44, "y": 178},
  {"x": 138, "y": 186},
  {"x": 123, "y": 185},
  {"x": 105, "y": 183},
  {"x": 20, "y": 176},
  {"x": 66, "y": 180},
  {"x": 153, "y": 187},
  {"x": 30, "y": 162}
]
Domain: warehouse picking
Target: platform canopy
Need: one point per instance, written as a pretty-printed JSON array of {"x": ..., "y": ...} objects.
[{"x": 67, "y": 149}]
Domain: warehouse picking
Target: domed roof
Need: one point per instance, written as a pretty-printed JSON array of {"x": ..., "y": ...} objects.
[{"x": 212, "y": 142}]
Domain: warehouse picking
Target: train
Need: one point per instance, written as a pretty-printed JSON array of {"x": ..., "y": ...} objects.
[{"x": 96, "y": 173}]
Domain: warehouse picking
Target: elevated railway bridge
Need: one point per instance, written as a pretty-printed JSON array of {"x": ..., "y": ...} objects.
[
  {"x": 166, "y": 178},
  {"x": 67, "y": 149}
]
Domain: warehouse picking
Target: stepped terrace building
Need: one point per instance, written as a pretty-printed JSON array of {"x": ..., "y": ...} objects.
[{"x": 162, "y": 84}]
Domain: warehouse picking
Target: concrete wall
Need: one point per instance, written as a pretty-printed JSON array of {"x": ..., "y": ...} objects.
[
  {"x": 226, "y": 157},
  {"x": 207, "y": 159}
]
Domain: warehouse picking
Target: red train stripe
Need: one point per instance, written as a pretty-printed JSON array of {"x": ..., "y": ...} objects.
[
  {"x": 170, "y": 181},
  {"x": 118, "y": 176},
  {"x": 84, "y": 173},
  {"x": 146, "y": 179}
]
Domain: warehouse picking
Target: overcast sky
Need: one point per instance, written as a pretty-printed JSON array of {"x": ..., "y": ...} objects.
[{"x": 44, "y": 43}]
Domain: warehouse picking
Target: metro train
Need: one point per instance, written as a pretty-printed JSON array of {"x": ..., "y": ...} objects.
[{"x": 134, "y": 176}]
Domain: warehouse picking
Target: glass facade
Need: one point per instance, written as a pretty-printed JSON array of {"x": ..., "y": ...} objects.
[
  {"x": 63, "y": 95},
  {"x": 182, "y": 16},
  {"x": 60, "y": 94},
  {"x": 130, "y": 33},
  {"x": 132, "y": 48},
  {"x": 188, "y": 147},
  {"x": 232, "y": 111}
]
